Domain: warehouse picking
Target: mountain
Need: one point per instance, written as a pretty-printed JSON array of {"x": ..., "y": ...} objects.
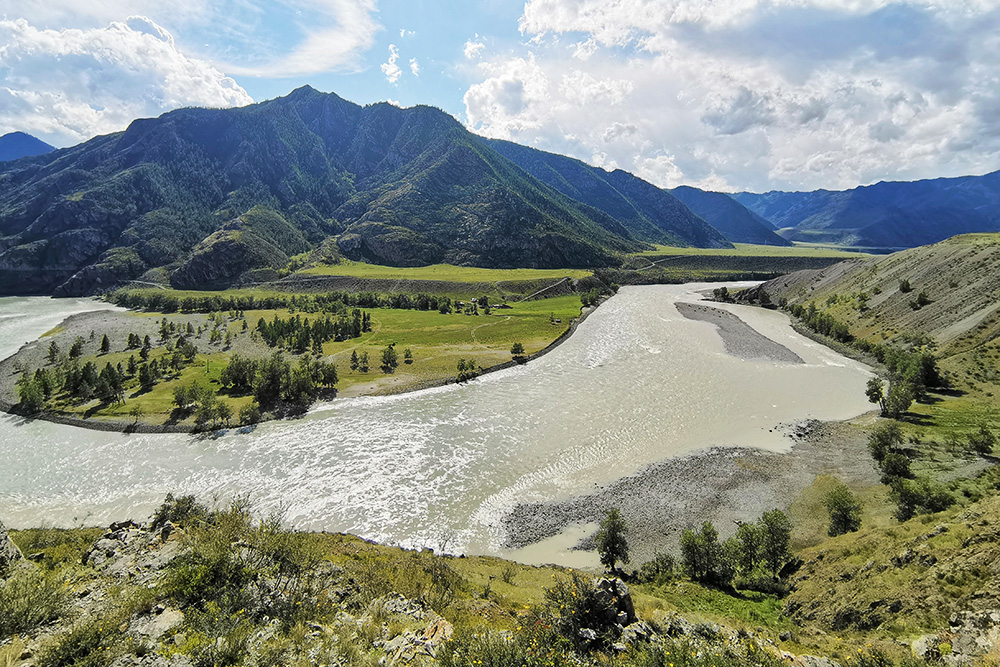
[
  {"x": 887, "y": 214},
  {"x": 944, "y": 294},
  {"x": 736, "y": 222},
  {"x": 18, "y": 144},
  {"x": 648, "y": 212},
  {"x": 209, "y": 196}
]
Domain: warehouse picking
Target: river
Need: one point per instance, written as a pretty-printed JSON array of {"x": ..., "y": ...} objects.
[{"x": 635, "y": 384}]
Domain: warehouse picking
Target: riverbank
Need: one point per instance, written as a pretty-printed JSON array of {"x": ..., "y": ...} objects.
[
  {"x": 119, "y": 325},
  {"x": 721, "y": 484}
]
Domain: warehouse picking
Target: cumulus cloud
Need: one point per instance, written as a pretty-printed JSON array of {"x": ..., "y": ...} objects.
[
  {"x": 472, "y": 49},
  {"x": 69, "y": 85},
  {"x": 756, "y": 94},
  {"x": 414, "y": 67},
  {"x": 390, "y": 68}
]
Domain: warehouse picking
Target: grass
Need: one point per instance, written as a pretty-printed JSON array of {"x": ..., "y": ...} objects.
[
  {"x": 438, "y": 341},
  {"x": 441, "y": 272},
  {"x": 751, "y": 250}
]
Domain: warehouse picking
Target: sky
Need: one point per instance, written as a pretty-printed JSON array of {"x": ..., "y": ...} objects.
[{"x": 726, "y": 95}]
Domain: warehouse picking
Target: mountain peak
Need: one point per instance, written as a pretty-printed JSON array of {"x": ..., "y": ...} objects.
[{"x": 21, "y": 144}]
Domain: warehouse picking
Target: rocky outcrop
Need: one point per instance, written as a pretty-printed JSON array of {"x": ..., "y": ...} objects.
[
  {"x": 130, "y": 551},
  {"x": 970, "y": 636},
  {"x": 9, "y": 553}
]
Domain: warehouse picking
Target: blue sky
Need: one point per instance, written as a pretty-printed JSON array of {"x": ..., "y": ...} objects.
[{"x": 728, "y": 95}]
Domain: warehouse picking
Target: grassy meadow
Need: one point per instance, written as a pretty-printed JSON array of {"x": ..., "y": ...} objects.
[{"x": 442, "y": 272}]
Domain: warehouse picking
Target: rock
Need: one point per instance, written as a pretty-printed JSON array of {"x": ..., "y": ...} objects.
[
  {"x": 613, "y": 593},
  {"x": 813, "y": 661},
  {"x": 637, "y": 633},
  {"x": 587, "y": 634},
  {"x": 785, "y": 636},
  {"x": 9, "y": 553},
  {"x": 437, "y": 633},
  {"x": 158, "y": 624}
]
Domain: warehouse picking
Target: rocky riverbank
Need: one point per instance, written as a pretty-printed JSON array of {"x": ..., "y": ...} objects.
[{"x": 723, "y": 484}]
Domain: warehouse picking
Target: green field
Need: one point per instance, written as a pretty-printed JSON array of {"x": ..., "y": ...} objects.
[
  {"x": 443, "y": 272},
  {"x": 437, "y": 341},
  {"x": 750, "y": 250}
]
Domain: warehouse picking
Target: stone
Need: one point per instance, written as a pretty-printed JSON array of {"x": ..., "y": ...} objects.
[
  {"x": 637, "y": 633},
  {"x": 613, "y": 593},
  {"x": 9, "y": 553}
]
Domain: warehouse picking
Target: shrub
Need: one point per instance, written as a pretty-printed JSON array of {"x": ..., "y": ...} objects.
[
  {"x": 28, "y": 599},
  {"x": 576, "y": 604},
  {"x": 660, "y": 570},
  {"x": 181, "y": 511},
  {"x": 982, "y": 441},
  {"x": 95, "y": 642}
]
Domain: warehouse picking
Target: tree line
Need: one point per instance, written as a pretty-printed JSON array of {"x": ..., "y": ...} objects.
[{"x": 330, "y": 302}]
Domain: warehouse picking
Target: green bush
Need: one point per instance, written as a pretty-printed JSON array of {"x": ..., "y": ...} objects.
[
  {"x": 30, "y": 598},
  {"x": 181, "y": 511},
  {"x": 92, "y": 643},
  {"x": 845, "y": 511},
  {"x": 534, "y": 644},
  {"x": 660, "y": 570},
  {"x": 575, "y": 604}
]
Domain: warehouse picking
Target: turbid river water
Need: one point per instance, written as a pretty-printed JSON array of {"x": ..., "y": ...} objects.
[{"x": 635, "y": 384}]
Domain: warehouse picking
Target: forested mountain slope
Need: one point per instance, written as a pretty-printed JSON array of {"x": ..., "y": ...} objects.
[
  {"x": 210, "y": 195},
  {"x": 886, "y": 214}
]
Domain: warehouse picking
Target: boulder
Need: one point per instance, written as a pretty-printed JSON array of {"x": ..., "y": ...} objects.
[
  {"x": 9, "y": 553},
  {"x": 613, "y": 594}
]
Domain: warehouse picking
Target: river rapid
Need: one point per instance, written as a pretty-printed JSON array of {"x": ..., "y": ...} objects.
[{"x": 637, "y": 383}]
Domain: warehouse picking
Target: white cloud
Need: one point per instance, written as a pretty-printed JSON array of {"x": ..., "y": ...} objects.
[
  {"x": 414, "y": 67},
  {"x": 753, "y": 94},
  {"x": 243, "y": 37},
  {"x": 334, "y": 34},
  {"x": 390, "y": 68},
  {"x": 473, "y": 49},
  {"x": 68, "y": 85}
]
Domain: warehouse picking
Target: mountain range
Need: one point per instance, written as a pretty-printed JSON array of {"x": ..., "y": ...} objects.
[
  {"x": 887, "y": 215},
  {"x": 208, "y": 196},
  {"x": 15, "y": 145}
]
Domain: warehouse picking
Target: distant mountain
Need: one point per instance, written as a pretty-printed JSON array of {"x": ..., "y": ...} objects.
[
  {"x": 18, "y": 144},
  {"x": 887, "y": 214},
  {"x": 648, "y": 212},
  {"x": 211, "y": 196},
  {"x": 736, "y": 222}
]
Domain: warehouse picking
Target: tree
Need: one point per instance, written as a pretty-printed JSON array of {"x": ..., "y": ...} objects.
[
  {"x": 249, "y": 414},
  {"x": 517, "y": 351},
  {"x": 53, "y": 352},
  {"x": 407, "y": 356},
  {"x": 883, "y": 439},
  {"x": 876, "y": 393},
  {"x": 845, "y": 511},
  {"x": 105, "y": 344},
  {"x": 612, "y": 545},
  {"x": 354, "y": 360},
  {"x": 751, "y": 542},
  {"x": 982, "y": 441},
  {"x": 30, "y": 394},
  {"x": 390, "y": 360},
  {"x": 701, "y": 552},
  {"x": 895, "y": 465},
  {"x": 224, "y": 412},
  {"x": 899, "y": 399},
  {"x": 76, "y": 349},
  {"x": 136, "y": 413},
  {"x": 363, "y": 364},
  {"x": 776, "y": 530}
]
